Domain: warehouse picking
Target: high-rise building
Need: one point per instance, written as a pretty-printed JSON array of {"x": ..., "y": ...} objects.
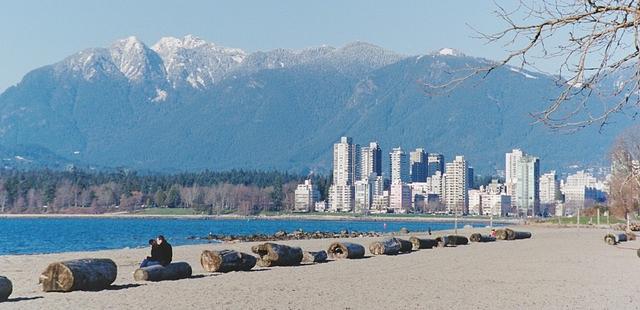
[
  {"x": 470, "y": 176},
  {"x": 341, "y": 193},
  {"x": 399, "y": 166},
  {"x": 436, "y": 185},
  {"x": 456, "y": 186},
  {"x": 527, "y": 182},
  {"x": 419, "y": 165},
  {"x": 435, "y": 163},
  {"x": 344, "y": 154},
  {"x": 511, "y": 160},
  {"x": 306, "y": 196},
  {"x": 549, "y": 188},
  {"x": 370, "y": 160},
  {"x": 363, "y": 195}
]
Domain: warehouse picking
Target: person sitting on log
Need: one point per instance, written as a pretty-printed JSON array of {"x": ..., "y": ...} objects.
[{"x": 161, "y": 253}]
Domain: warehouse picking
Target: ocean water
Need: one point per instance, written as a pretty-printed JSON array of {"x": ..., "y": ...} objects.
[{"x": 54, "y": 235}]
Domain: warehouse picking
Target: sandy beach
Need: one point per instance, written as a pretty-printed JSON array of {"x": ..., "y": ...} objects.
[{"x": 559, "y": 268}]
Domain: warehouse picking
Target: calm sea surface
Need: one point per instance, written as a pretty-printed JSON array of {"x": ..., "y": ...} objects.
[{"x": 53, "y": 235}]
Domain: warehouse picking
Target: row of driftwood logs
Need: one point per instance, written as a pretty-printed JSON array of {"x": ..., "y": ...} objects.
[
  {"x": 295, "y": 235},
  {"x": 96, "y": 274}
]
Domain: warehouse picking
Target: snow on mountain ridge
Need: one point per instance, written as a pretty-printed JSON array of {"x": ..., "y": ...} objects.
[
  {"x": 192, "y": 62},
  {"x": 195, "y": 61}
]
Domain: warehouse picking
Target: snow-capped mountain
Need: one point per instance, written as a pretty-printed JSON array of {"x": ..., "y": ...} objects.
[
  {"x": 195, "y": 62},
  {"x": 185, "y": 103}
]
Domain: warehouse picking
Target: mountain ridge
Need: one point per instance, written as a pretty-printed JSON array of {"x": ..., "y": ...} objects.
[{"x": 186, "y": 104}]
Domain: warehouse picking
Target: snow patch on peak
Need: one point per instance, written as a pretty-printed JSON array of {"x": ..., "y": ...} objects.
[
  {"x": 161, "y": 95},
  {"x": 134, "y": 59},
  {"x": 525, "y": 74},
  {"x": 195, "y": 62},
  {"x": 447, "y": 51}
]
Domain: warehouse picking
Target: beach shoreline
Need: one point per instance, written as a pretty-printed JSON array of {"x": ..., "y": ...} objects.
[
  {"x": 541, "y": 272},
  {"x": 318, "y": 217}
]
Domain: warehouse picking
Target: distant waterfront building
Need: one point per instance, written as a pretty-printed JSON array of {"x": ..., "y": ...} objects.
[
  {"x": 363, "y": 195},
  {"x": 511, "y": 161},
  {"x": 470, "y": 176},
  {"x": 400, "y": 198},
  {"x": 550, "y": 188},
  {"x": 435, "y": 163},
  {"x": 399, "y": 166},
  {"x": 581, "y": 190},
  {"x": 489, "y": 200},
  {"x": 321, "y": 206},
  {"x": 370, "y": 161},
  {"x": 456, "y": 186},
  {"x": 475, "y": 202},
  {"x": 436, "y": 185},
  {"x": 527, "y": 182},
  {"x": 306, "y": 196},
  {"x": 341, "y": 193},
  {"x": 380, "y": 203},
  {"x": 419, "y": 165}
]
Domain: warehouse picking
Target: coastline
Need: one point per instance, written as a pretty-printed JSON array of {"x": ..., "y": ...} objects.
[
  {"x": 319, "y": 217},
  {"x": 541, "y": 272}
]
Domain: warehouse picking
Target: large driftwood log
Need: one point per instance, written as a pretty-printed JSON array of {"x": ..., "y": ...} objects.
[
  {"x": 452, "y": 240},
  {"x": 389, "y": 246},
  {"x": 510, "y": 234},
  {"x": 226, "y": 261},
  {"x": 614, "y": 239},
  {"x": 405, "y": 246},
  {"x": 481, "y": 238},
  {"x": 314, "y": 257},
  {"x": 515, "y": 235},
  {"x": 338, "y": 250},
  {"x": 5, "y": 288},
  {"x": 173, "y": 271},
  {"x": 418, "y": 243},
  {"x": 501, "y": 234},
  {"x": 272, "y": 254},
  {"x": 79, "y": 275}
]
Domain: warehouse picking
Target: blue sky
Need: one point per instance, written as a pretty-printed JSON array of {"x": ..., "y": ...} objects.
[{"x": 37, "y": 33}]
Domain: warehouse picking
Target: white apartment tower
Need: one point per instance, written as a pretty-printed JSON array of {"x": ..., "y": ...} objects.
[
  {"x": 341, "y": 193},
  {"x": 511, "y": 161},
  {"x": 306, "y": 196},
  {"x": 370, "y": 161},
  {"x": 456, "y": 186},
  {"x": 399, "y": 166},
  {"x": 549, "y": 188},
  {"x": 527, "y": 188}
]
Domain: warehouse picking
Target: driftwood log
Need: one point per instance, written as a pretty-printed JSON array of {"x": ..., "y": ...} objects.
[
  {"x": 272, "y": 254},
  {"x": 226, "y": 261},
  {"x": 79, "y": 275},
  {"x": 389, "y": 246},
  {"x": 405, "y": 246},
  {"x": 613, "y": 239},
  {"x": 309, "y": 257},
  {"x": 173, "y": 271},
  {"x": 481, "y": 238},
  {"x": 5, "y": 288},
  {"x": 630, "y": 235},
  {"x": 338, "y": 250},
  {"x": 510, "y": 234},
  {"x": 452, "y": 240},
  {"x": 418, "y": 243}
]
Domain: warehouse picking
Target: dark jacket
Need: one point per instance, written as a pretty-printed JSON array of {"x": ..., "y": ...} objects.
[{"x": 162, "y": 253}]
